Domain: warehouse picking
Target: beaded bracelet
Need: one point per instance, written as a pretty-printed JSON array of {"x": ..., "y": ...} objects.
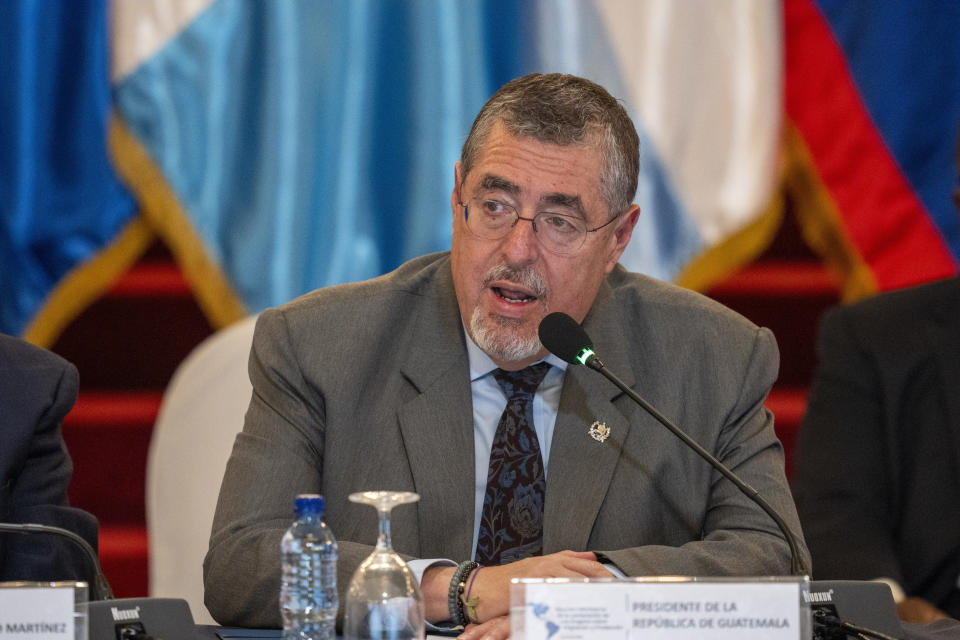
[{"x": 457, "y": 583}]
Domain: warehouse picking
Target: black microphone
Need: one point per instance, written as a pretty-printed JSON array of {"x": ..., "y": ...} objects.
[
  {"x": 100, "y": 589},
  {"x": 565, "y": 338}
]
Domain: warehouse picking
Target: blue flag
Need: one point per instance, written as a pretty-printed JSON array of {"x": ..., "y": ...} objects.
[{"x": 60, "y": 200}]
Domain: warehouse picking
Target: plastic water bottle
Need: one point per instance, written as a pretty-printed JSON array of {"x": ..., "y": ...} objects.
[{"x": 308, "y": 590}]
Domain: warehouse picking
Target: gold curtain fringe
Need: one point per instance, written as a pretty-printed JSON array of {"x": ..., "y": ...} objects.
[
  {"x": 86, "y": 283},
  {"x": 165, "y": 214},
  {"x": 161, "y": 214},
  {"x": 820, "y": 221},
  {"x": 735, "y": 252}
]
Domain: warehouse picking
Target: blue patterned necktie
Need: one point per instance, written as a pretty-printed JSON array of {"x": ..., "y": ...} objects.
[{"x": 511, "y": 525}]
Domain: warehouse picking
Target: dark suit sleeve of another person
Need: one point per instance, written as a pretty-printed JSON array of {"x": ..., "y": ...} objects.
[
  {"x": 876, "y": 480},
  {"x": 37, "y": 389},
  {"x": 842, "y": 485}
]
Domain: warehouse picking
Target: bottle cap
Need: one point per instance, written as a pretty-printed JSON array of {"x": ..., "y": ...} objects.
[{"x": 308, "y": 504}]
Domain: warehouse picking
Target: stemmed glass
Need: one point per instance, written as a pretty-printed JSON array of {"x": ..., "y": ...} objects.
[{"x": 383, "y": 601}]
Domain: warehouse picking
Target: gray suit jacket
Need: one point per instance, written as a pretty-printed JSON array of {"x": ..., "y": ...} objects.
[{"x": 366, "y": 386}]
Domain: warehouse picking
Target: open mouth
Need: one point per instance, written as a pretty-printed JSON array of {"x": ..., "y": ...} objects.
[{"x": 513, "y": 295}]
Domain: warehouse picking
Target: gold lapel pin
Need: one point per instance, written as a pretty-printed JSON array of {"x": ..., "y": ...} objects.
[{"x": 599, "y": 431}]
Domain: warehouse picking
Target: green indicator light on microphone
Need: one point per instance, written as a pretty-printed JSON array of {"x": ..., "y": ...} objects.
[{"x": 584, "y": 355}]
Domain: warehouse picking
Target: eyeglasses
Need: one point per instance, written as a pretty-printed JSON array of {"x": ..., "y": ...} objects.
[{"x": 559, "y": 233}]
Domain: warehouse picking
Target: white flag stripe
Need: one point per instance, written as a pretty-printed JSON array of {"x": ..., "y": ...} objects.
[
  {"x": 140, "y": 28},
  {"x": 705, "y": 79}
]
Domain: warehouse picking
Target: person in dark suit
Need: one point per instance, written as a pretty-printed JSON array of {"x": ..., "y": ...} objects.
[
  {"x": 877, "y": 473},
  {"x": 877, "y": 469},
  {"x": 37, "y": 389},
  {"x": 389, "y": 384}
]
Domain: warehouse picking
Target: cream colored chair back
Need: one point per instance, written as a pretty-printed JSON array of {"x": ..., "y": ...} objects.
[{"x": 201, "y": 413}]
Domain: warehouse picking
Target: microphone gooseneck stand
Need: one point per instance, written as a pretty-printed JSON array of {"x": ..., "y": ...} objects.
[{"x": 100, "y": 589}]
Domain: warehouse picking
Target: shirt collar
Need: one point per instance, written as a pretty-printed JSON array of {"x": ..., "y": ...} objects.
[{"x": 481, "y": 364}]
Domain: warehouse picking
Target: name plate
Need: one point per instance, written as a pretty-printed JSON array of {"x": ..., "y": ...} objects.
[
  {"x": 40, "y": 611},
  {"x": 668, "y": 608}
]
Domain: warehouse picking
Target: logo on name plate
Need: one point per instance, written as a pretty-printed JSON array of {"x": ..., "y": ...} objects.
[
  {"x": 599, "y": 431},
  {"x": 125, "y": 614},
  {"x": 816, "y": 597}
]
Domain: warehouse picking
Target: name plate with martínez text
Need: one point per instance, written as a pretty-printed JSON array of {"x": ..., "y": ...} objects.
[
  {"x": 42, "y": 610},
  {"x": 667, "y": 608}
]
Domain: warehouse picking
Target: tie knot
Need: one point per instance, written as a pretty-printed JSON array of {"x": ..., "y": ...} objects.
[{"x": 522, "y": 382}]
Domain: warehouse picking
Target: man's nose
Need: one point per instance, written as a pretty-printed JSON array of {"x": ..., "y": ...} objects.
[{"x": 521, "y": 244}]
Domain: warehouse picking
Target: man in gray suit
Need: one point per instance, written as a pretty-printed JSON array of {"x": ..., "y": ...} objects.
[{"x": 388, "y": 384}]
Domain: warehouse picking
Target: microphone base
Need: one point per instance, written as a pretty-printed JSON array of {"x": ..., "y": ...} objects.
[{"x": 139, "y": 619}]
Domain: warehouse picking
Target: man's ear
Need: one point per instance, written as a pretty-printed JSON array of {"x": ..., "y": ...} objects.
[
  {"x": 455, "y": 193},
  {"x": 622, "y": 234}
]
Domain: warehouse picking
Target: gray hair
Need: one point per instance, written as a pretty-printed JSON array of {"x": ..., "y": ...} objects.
[{"x": 565, "y": 110}]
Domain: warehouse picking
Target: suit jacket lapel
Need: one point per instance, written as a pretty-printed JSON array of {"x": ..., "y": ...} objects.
[
  {"x": 437, "y": 423},
  {"x": 580, "y": 468}
]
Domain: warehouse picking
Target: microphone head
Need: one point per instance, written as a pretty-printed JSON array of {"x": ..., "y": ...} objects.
[{"x": 565, "y": 338}]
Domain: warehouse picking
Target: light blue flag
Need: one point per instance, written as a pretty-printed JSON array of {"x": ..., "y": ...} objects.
[
  {"x": 312, "y": 143},
  {"x": 278, "y": 147}
]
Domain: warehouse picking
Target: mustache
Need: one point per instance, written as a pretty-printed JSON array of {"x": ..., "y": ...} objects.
[{"x": 526, "y": 276}]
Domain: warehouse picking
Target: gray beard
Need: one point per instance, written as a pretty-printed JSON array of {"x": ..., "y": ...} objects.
[{"x": 498, "y": 337}]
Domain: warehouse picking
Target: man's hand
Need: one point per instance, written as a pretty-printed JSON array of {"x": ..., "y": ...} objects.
[
  {"x": 496, "y": 629},
  {"x": 492, "y": 584},
  {"x": 918, "y": 610}
]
